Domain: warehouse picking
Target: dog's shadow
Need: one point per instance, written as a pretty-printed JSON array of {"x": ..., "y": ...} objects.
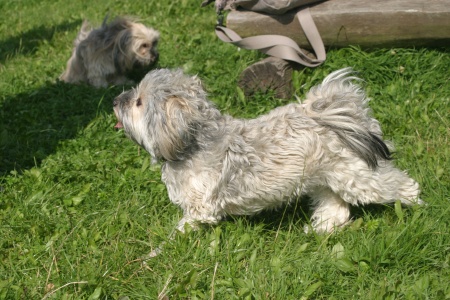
[
  {"x": 298, "y": 214},
  {"x": 282, "y": 218},
  {"x": 34, "y": 122},
  {"x": 27, "y": 43}
]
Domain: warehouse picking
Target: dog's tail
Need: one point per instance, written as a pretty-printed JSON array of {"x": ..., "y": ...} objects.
[
  {"x": 341, "y": 105},
  {"x": 85, "y": 29},
  {"x": 105, "y": 20}
]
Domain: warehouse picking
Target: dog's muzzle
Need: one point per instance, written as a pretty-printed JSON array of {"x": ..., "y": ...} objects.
[{"x": 115, "y": 108}]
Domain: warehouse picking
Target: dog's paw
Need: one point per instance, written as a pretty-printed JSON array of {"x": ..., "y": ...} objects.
[
  {"x": 122, "y": 80},
  {"x": 421, "y": 202},
  {"x": 411, "y": 202},
  {"x": 186, "y": 225},
  {"x": 324, "y": 227},
  {"x": 155, "y": 252}
]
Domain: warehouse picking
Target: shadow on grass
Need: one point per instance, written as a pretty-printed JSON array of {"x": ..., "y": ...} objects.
[
  {"x": 283, "y": 217},
  {"x": 300, "y": 212},
  {"x": 28, "y": 42},
  {"x": 33, "y": 123}
]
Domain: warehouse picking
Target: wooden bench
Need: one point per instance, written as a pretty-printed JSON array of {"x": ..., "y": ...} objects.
[{"x": 365, "y": 23}]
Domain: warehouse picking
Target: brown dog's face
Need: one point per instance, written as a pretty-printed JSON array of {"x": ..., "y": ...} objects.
[
  {"x": 149, "y": 51},
  {"x": 145, "y": 42}
]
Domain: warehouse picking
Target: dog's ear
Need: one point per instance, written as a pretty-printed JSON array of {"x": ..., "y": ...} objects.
[
  {"x": 178, "y": 128},
  {"x": 122, "y": 46}
]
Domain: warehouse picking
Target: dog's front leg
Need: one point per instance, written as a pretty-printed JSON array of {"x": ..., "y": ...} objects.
[
  {"x": 122, "y": 80},
  {"x": 98, "y": 81},
  {"x": 186, "y": 221}
]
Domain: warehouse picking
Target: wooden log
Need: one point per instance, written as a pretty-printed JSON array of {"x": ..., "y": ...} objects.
[
  {"x": 368, "y": 23},
  {"x": 272, "y": 73}
]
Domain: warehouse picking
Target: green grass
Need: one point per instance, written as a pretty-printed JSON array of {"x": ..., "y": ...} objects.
[{"x": 80, "y": 203}]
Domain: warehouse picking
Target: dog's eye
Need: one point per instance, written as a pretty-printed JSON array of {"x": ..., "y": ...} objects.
[
  {"x": 138, "y": 102},
  {"x": 145, "y": 45}
]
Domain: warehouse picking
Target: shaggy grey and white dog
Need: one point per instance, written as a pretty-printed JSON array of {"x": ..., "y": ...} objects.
[
  {"x": 328, "y": 147},
  {"x": 105, "y": 55}
]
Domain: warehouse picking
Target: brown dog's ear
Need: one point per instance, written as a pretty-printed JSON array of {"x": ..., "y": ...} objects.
[
  {"x": 177, "y": 129},
  {"x": 120, "y": 51}
]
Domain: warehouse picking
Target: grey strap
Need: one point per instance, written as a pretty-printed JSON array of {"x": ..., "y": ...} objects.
[{"x": 281, "y": 46}]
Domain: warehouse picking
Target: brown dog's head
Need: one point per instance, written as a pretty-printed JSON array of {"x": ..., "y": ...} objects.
[{"x": 135, "y": 45}]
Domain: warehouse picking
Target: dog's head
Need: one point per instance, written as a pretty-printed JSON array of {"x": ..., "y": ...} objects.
[
  {"x": 166, "y": 113},
  {"x": 144, "y": 44},
  {"x": 135, "y": 45}
]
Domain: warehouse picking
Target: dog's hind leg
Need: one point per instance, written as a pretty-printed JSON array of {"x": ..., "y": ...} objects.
[
  {"x": 329, "y": 210},
  {"x": 394, "y": 184},
  {"x": 385, "y": 184},
  {"x": 97, "y": 81}
]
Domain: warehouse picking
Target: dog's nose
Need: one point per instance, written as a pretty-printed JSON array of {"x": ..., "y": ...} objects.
[{"x": 155, "y": 55}]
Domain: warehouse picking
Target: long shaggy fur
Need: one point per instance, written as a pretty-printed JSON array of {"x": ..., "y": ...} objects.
[
  {"x": 107, "y": 54},
  {"x": 329, "y": 147}
]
